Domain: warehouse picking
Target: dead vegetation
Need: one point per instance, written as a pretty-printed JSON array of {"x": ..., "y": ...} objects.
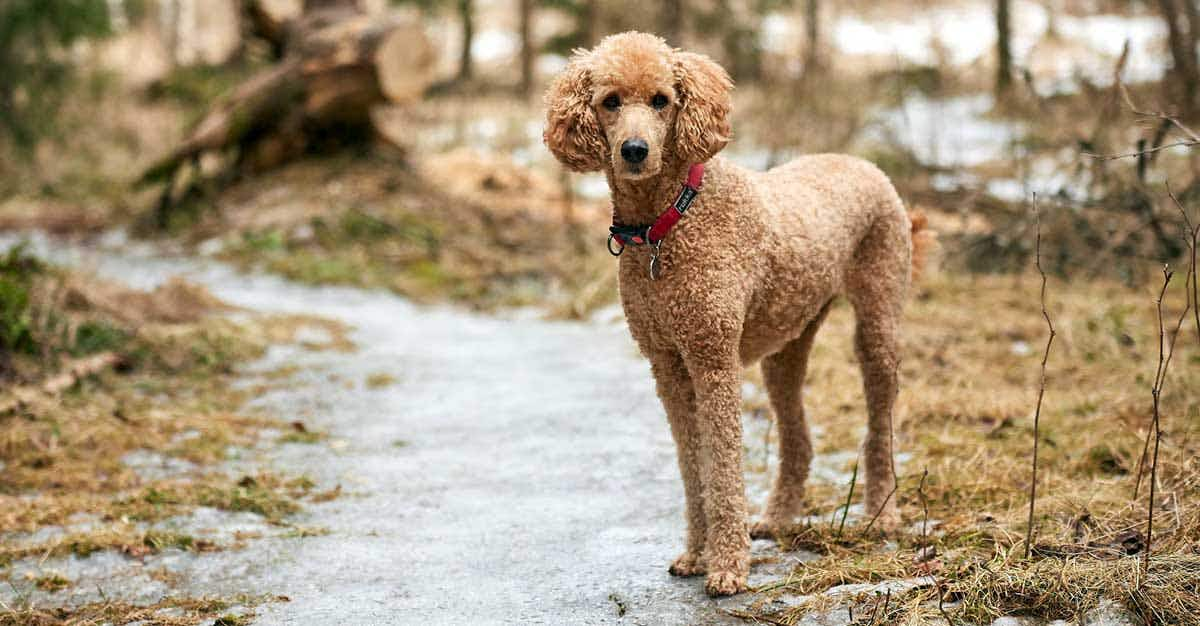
[
  {"x": 966, "y": 414},
  {"x": 497, "y": 237},
  {"x": 236, "y": 611},
  {"x": 95, "y": 374}
]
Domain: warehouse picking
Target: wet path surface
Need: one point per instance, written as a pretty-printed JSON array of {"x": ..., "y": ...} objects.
[{"x": 495, "y": 481}]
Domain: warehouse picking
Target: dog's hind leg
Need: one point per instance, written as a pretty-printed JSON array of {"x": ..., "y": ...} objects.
[
  {"x": 877, "y": 285},
  {"x": 783, "y": 376},
  {"x": 679, "y": 399}
]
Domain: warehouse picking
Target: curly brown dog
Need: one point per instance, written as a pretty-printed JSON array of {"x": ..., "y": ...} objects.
[{"x": 747, "y": 274}]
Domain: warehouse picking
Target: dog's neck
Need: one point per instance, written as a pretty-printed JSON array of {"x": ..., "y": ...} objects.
[{"x": 638, "y": 202}]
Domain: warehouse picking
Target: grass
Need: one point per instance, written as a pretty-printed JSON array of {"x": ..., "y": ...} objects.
[
  {"x": 170, "y": 611},
  {"x": 51, "y": 581},
  {"x": 379, "y": 380},
  {"x": 965, "y": 414},
  {"x": 62, "y": 452},
  {"x": 381, "y": 227}
]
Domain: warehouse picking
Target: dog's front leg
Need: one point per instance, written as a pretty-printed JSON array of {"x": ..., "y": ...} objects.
[
  {"x": 679, "y": 399},
  {"x": 727, "y": 546}
]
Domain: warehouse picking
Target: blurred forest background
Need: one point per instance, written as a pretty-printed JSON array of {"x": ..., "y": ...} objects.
[{"x": 398, "y": 143}]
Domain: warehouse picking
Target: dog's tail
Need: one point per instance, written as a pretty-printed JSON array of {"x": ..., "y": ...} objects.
[{"x": 923, "y": 241}]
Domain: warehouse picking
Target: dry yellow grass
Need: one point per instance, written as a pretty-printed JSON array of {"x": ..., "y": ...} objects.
[
  {"x": 970, "y": 375},
  {"x": 63, "y": 451}
]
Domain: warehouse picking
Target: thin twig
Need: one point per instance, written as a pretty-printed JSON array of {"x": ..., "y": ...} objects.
[
  {"x": 1155, "y": 391},
  {"x": 846, "y": 509},
  {"x": 941, "y": 600},
  {"x": 1164, "y": 362},
  {"x": 1193, "y": 242},
  {"x": 1037, "y": 414},
  {"x": 1126, "y": 155},
  {"x": 924, "y": 508},
  {"x": 1189, "y": 304},
  {"x": 1192, "y": 138},
  {"x": 895, "y": 485}
]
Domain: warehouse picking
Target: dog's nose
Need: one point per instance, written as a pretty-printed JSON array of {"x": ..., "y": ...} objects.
[{"x": 634, "y": 150}]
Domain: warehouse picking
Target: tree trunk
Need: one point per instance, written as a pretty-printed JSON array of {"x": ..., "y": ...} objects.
[
  {"x": 670, "y": 20},
  {"x": 1182, "y": 38},
  {"x": 740, "y": 43},
  {"x": 812, "y": 31},
  {"x": 269, "y": 19},
  {"x": 1003, "y": 47},
  {"x": 589, "y": 20},
  {"x": 339, "y": 65},
  {"x": 466, "y": 12},
  {"x": 527, "y": 48}
]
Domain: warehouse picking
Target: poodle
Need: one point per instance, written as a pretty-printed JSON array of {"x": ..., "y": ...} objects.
[{"x": 747, "y": 274}]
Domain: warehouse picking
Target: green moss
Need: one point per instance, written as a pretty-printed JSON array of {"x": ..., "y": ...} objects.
[
  {"x": 379, "y": 380},
  {"x": 97, "y": 336},
  {"x": 266, "y": 241},
  {"x": 17, "y": 271},
  {"x": 305, "y": 437},
  {"x": 355, "y": 224},
  {"x": 264, "y": 495},
  {"x": 319, "y": 269},
  {"x": 158, "y": 540},
  {"x": 52, "y": 582}
]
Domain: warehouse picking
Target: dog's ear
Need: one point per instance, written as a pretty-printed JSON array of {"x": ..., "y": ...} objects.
[
  {"x": 702, "y": 125},
  {"x": 572, "y": 129}
]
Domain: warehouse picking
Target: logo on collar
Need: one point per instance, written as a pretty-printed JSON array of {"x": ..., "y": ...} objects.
[{"x": 653, "y": 234}]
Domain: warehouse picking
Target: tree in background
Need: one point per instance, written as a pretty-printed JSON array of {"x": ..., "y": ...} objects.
[
  {"x": 737, "y": 24},
  {"x": 466, "y": 16},
  {"x": 1003, "y": 47},
  {"x": 670, "y": 21},
  {"x": 528, "y": 50},
  {"x": 585, "y": 31},
  {"x": 813, "y": 63},
  {"x": 35, "y": 38},
  {"x": 1182, "y": 18}
]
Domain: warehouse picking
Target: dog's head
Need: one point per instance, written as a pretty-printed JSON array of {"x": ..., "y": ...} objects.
[{"x": 632, "y": 103}]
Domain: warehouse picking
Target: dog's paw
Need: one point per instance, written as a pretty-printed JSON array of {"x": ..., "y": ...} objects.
[
  {"x": 763, "y": 529},
  {"x": 687, "y": 564},
  {"x": 725, "y": 583}
]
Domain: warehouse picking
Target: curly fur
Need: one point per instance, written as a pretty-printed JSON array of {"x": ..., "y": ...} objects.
[{"x": 747, "y": 275}]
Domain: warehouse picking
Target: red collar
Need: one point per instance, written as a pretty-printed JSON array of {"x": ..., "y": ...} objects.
[{"x": 654, "y": 233}]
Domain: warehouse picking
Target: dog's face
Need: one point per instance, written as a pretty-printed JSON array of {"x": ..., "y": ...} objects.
[{"x": 633, "y": 103}]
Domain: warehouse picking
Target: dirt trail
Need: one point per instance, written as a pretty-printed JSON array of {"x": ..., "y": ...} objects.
[{"x": 517, "y": 471}]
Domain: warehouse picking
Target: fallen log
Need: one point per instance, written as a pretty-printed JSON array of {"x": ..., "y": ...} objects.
[{"x": 338, "y": 65}]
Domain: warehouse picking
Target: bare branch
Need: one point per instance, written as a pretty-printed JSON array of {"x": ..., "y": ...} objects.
[
  {"x": 849, "y": 496},
  {"x": 1037, "y": 414},
  {"x": 1164, "y": 362},
  {"x": 1191, "y": 138},
  {"x": 1193, "y": 242},
  {"x": 1110, "y": 157},
  {"x": 1190, "y": 304}
]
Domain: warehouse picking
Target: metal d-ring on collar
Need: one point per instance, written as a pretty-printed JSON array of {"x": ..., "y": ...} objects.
[
  {"x": 654, "y": 264},
  {"x": 655, "y": 233},
  {"x": 656, "y": 247}
]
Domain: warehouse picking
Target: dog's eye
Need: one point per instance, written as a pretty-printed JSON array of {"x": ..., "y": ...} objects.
[
  {"x": 658, "y": 101},
  {"x": 612, "y": 103}
]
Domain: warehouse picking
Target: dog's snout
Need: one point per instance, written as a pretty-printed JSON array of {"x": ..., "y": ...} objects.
[{"x": 635, "y": 150}]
